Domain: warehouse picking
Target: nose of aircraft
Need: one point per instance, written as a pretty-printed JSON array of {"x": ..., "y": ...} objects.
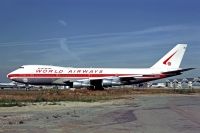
[
  {"x": 8, "y": 75},
  {"x": 11, "y": 74}
]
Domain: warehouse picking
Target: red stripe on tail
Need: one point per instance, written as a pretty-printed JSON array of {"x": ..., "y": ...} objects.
[{"x": 165, "y": 62}]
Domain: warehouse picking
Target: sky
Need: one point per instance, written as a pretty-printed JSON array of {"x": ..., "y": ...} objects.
[{"x": 97, "y": 33}]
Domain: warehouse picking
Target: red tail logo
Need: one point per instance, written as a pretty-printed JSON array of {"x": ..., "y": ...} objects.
[{"x": 166, "y": 61}]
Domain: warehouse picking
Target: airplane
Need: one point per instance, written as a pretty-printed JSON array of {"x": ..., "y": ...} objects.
[
  {"x": 7, "y": 85},
  {"x": 11, "y": 85},
  {"x": 100, "y": 78}
]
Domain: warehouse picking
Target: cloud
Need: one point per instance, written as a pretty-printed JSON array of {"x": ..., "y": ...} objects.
[
  {"x": 64, "y": 46},
  {"x": 155, "y": 29},
  {"x": 62, "y": 22},
  {"x": 45, "y": 41},
  {"x": 107, "y": 48},
  {"x": 91, "y": 38},
  {"x": 38, "y": 51}
]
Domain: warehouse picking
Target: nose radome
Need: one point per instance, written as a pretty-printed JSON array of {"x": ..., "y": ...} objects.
[{"x": 8, "y": 76}]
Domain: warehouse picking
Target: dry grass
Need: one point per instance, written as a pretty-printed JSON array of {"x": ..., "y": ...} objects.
[{"x": 16, "y": 97}]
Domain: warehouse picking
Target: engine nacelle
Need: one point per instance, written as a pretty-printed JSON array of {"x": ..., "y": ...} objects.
[
  {"x": 110, "y": 82},
  {"x": 80, "y": 84}
]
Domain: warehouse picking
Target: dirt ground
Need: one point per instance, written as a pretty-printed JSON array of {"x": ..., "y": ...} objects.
[{"x": 137, "y": 114}]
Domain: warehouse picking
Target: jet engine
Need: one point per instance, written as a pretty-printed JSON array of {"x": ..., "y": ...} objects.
[
  {"x": 80, "y": 84},
  {"x": 111, "y": 82}
]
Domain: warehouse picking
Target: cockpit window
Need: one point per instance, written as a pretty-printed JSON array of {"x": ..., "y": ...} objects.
[{"x": 21, "y": 67}]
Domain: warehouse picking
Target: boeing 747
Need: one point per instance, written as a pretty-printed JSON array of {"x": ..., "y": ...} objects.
[{"x": 99, "y": 78}]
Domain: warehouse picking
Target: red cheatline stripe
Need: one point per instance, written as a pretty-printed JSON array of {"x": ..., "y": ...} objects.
[
  {"x": 64, "y": 75},
  {"x": 74, "y": 75}
]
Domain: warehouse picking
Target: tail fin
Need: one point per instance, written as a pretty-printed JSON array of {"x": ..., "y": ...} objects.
[{"x": 172, "y": 59}]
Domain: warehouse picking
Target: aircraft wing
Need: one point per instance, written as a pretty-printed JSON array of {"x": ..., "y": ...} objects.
[
  {"x": 178, "y": 71},
  {"x": 125, "y": 79},
  {"x": 129, "y": 76},
  {"x": 122, "y": 78}
]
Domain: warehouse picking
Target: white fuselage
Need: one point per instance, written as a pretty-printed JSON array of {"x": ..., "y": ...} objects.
[{"x": 43, "y": 74}]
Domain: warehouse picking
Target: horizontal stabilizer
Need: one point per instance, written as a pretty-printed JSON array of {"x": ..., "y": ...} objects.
[{"x": 178, "y": 71}]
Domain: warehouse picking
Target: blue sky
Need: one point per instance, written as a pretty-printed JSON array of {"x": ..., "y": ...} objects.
[{"x": 97, "y": 33}]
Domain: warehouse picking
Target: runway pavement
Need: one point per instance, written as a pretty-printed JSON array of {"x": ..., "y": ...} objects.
[{"x": 139, "y": 114}]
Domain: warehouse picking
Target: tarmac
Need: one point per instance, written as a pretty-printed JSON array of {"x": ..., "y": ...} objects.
[{"x": 138, "y": 114}]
